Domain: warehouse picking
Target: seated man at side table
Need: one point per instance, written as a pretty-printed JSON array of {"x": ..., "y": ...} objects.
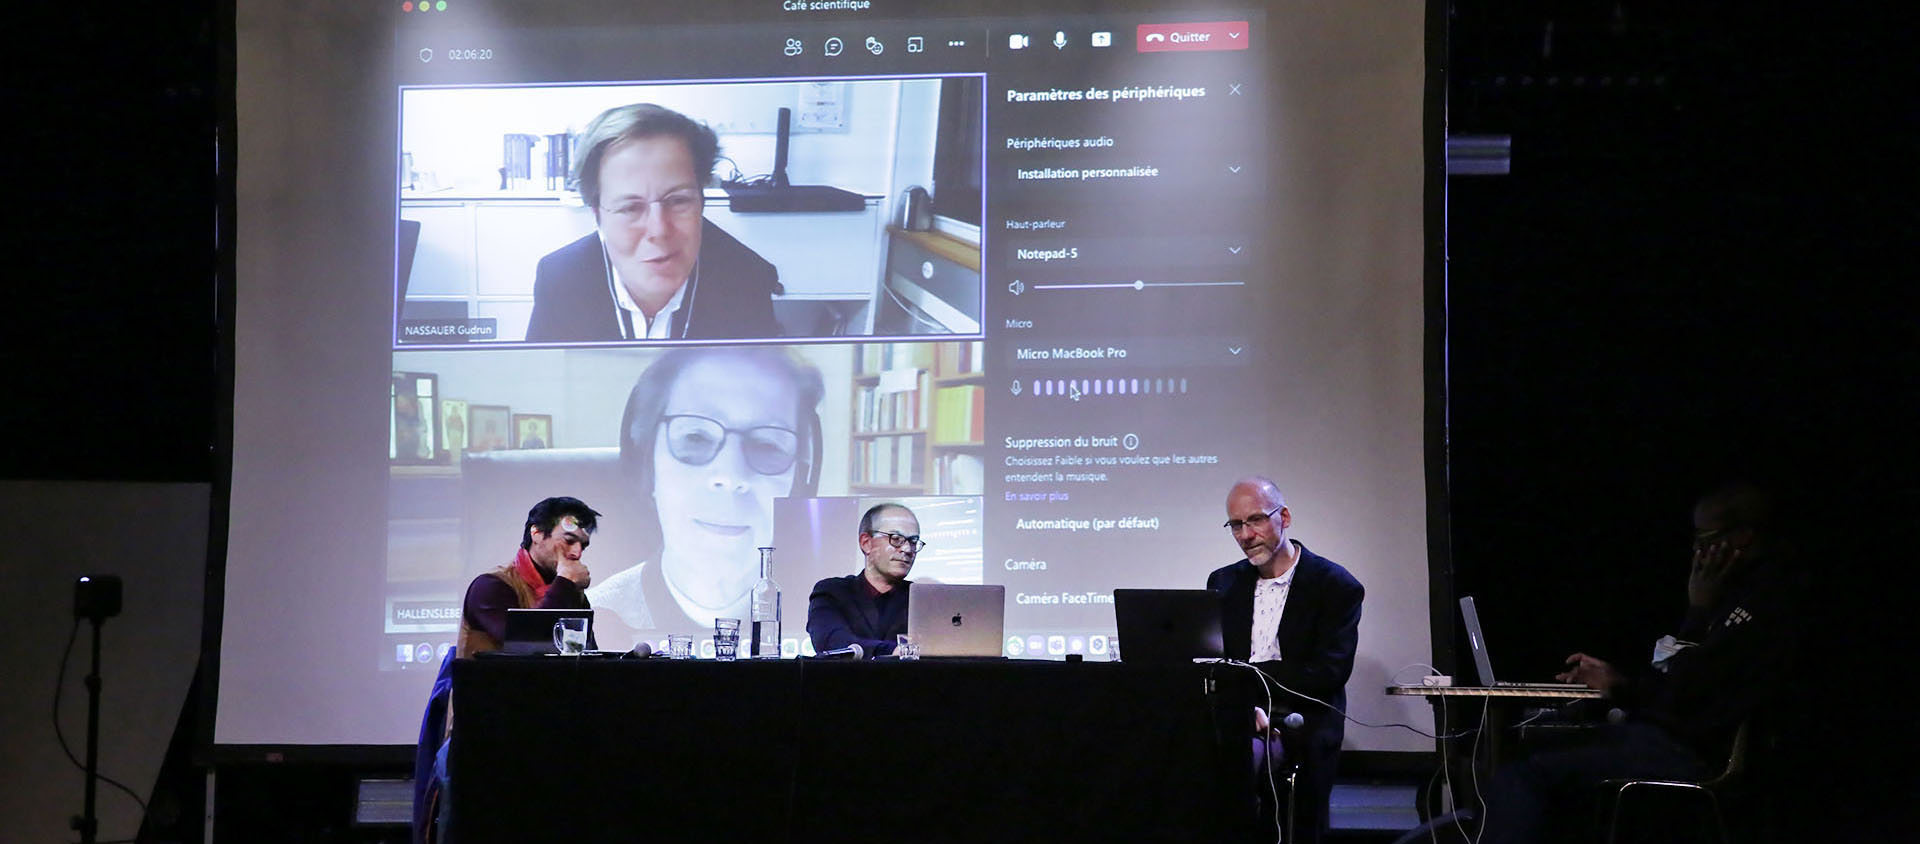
[
  {"x": 1296, "y": 615},
  {"x": 870, "y": 608},
  {"x": 1681, "y": 715}
]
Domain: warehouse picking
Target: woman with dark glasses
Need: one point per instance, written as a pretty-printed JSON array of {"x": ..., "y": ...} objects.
[{"x": 710, "y": 438}]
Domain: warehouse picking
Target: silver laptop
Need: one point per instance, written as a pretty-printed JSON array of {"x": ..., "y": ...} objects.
[
  {"x": 1483, "y": 664},
  {"x": 952, "y": 620}
]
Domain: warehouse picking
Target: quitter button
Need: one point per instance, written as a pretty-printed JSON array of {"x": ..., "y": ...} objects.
[{"x": 1180, "y": 37}]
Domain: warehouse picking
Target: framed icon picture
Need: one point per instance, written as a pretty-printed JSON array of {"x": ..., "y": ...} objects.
[
  {"x": 532, "y": 430},
  {"x": 413, "y": 420},
  {"x": 453, "y": 429},
  {"x": 489, "y": 427}
]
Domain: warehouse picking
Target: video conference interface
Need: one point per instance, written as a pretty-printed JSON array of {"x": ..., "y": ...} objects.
[
  {"x": 1052, "y": 280},
  {"x": 1042, "y": 264}
]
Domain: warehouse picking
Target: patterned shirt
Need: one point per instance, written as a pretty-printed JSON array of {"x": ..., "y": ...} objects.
[{"x": 1269, "y": 601}]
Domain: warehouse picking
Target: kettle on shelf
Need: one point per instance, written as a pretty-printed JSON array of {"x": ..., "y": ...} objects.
[{"x": 915, "y": 211}]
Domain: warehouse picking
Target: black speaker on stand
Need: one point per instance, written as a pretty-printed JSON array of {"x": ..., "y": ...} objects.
[{"x": 96, "y": 598}]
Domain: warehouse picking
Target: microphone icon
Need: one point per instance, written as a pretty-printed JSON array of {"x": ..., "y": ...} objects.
[{"x": 1059, "y": 40}]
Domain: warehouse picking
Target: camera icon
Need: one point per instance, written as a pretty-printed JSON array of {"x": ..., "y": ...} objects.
[{"x": 1018, "y": 42}]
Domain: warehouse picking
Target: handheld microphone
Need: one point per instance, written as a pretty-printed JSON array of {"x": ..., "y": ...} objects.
[
  {"x": 640, "y": 650},
  {"x": 1294, "y": 720},
  {"x": 853, "y": 651}
]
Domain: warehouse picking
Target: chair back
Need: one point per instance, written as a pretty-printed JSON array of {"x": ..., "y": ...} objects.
[{"x": 433, "y": 730}]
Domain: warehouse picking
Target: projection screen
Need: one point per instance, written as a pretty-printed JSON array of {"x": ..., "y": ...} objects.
[{"x": 1054, "y": 279}]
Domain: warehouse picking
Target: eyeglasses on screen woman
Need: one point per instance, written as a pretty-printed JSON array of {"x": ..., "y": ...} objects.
[{"x": 695, "y": 440}]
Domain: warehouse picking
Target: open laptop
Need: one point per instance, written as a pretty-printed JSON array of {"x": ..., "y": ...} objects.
[
  {"x": 1482, "y": 664},
  {"x": 1168, "y": 625},
  {"x": 530, "y": 631},
  {"x": 949, "y": 620}
]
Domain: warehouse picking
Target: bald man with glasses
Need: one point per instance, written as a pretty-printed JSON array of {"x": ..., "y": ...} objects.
[
  {"x": 1296, "y": 615},
  {"x": 869, "y": 609}
]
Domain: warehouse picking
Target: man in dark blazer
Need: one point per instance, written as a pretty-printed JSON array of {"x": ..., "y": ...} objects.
[
  {"x": 869, "y": 609},
  {"x": 654, "y": 268},
  {"x": 1296, "y": 615}
]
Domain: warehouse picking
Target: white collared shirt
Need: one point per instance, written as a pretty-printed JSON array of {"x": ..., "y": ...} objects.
[
  {"x": 661, "y": 326},
  {"x": 1269, "y": 601}
]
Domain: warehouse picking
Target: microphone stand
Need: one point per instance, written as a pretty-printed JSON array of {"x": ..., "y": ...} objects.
[
  {"x": 96, "y": 598},
  {"x": 87, "y": 822}
]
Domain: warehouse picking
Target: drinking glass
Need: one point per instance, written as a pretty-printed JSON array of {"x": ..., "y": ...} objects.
[
  {"x": 570, "y": 636},
  {"x": 726, "y": 639}
]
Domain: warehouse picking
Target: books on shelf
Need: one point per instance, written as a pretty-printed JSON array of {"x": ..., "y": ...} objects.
[
  {"x": 884, "y": 407},
  {"x": 959, "y": 474},
  {"x": 876, "y": 358},
  {"x": 919, "y": 416},
  {"x": 959, "y": 414},
  {"x": 888, "y": 461},
  {"x": 962, "y": 359},
  {"x": 948, "y": 360}
]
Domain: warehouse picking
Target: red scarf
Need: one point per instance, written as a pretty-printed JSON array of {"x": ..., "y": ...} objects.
[{"x": 523, "y": 563}]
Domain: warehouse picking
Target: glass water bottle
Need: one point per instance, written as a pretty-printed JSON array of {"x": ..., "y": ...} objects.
[{"x": 766, "y": 611}]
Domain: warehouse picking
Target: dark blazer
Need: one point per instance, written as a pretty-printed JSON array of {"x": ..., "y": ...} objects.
[
  {"x": 839, "y": 614},
  {"x": 1319, "y": 631},
  {"x": 733, "y": 299}
]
